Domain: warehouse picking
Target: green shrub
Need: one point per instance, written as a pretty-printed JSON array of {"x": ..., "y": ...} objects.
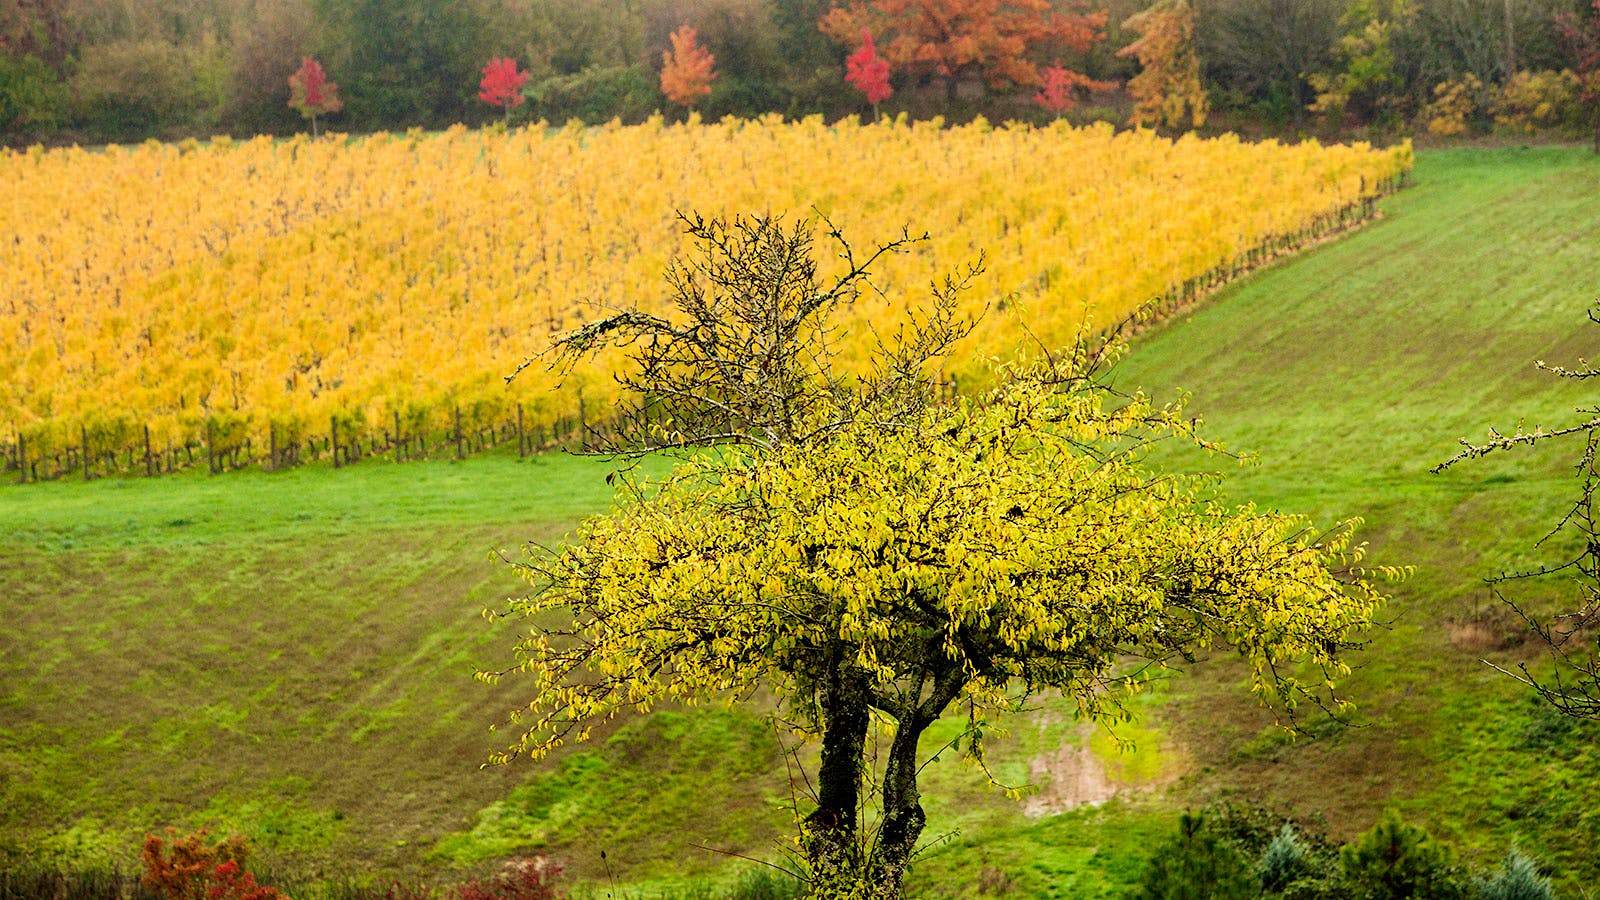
[
  {"x": 1517, "y": 879},
  {"x": 1395, "y": 860},
  {"x": 1198, "y": 864},
  {"x": 31, "y": 98},
  {"x": 595, "y": 95},
  {"x": 1284, "y": 862},
  {"x": 129, "y": 90},
  {"x": 765, "y": 884}
]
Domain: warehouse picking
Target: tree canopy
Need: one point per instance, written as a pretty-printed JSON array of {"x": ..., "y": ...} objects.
[
  {"x": 686, "y": 69},
  {"x": 864, "y": 550},
  {"x": 999, "y": 40},
  {"x": 1580, "y": 33},
  {"x": 1167, "y": 91}
]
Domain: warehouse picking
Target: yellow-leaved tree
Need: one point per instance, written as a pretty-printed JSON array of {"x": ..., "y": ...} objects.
[
  {"x": 868, "y": 552},
  {"x": 1167, "y": 91}
]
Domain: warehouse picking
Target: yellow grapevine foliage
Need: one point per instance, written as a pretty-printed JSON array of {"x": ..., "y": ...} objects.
[
  {"x": 242, "y": 284},
  {"x": 1013, "y": 543}
]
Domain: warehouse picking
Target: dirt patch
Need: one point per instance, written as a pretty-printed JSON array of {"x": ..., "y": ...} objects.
[
  {"x": 1474, "y": 636},
  {"x": 1488, "y": 631},
  {"x": 1070, "y": 777},
  {"x": 1074, "y": 775}
]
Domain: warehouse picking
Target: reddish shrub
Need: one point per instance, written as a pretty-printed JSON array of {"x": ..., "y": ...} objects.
[
  {"x": 191, "y": 869},
  {"x": 230, "y": 882},
  {"x": 519, "y": 879}
]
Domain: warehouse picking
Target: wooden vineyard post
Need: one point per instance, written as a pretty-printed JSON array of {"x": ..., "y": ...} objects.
[
  {"x": 149, "y": 461},
  {"x": 83, "y": 438},
  {"x": 333, "y": 439},
  {"x": 461, "y": 452},
  {"x": 211, "y": 448},
  {"x": 522, "y": 440}
]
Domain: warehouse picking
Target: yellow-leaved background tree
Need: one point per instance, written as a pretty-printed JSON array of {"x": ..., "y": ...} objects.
[{"x": 1167, "y": 91}]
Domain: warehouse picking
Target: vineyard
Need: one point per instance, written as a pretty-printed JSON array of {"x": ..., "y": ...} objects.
[{"x": 270, "y": 302}]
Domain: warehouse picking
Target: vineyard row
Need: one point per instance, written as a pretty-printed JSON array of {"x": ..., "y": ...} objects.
[{"x": 222, "y": 449}]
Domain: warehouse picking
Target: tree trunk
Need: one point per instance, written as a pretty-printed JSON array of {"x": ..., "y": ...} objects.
[
  {"x": 830, "y": 830},
  {"x": 903, "y": 818}
]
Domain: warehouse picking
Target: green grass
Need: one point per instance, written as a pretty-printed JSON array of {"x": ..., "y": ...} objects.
[
  {"x": 304, "y": 504},
  {"x": 285, "y": 654},
  {"x": 289, "y": 654},
  {"x": 1350, "y": 373}
]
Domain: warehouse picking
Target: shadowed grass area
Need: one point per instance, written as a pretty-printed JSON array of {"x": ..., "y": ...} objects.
[{"x": 289, "y": 654}]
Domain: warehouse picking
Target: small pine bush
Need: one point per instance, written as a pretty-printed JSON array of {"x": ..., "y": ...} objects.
[
  {"x": 1284, "y": 862},
  {"x": 1396, "y": 861},
  {"x": 1517, "y": 879},
  {"x": 1198, "y": 864}
]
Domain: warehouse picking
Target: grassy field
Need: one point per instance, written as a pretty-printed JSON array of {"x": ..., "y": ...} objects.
[
  {"x": 289, "y": 654},
  {"x": 1353, "y": 371}
]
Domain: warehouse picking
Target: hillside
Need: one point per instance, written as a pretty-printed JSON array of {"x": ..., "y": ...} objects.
[
  {"x": 289, "y": 653},
  {"x": 1352, "y": 372}
]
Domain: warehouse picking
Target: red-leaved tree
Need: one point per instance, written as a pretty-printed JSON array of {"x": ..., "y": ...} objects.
[
  {"x": 686, "y": 69},
  {"x": 998, "y": 40},
  {"x": 869, "y": 72},
  {"x": 312, "y": 93},
  {"x": 1057, "y": 85},
  {"x": 502, "y": 84},
  {"x": 1581, "y": 36}
]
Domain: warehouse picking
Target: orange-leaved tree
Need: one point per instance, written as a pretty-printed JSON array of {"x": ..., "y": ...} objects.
[
  {"x": 997, "y": 40},
  {"x": 1167, "y": 89},
  {"x": 312, "y": 93},
  {"x": 686, "y": 69}
]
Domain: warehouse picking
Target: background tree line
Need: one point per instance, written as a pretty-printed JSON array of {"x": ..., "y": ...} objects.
[{"x": 119, "y": 70}]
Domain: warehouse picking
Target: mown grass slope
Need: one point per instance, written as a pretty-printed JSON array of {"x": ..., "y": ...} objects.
[
  {"x": 289, "y": 654},
  {"x": 1351, "y": 372}
]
